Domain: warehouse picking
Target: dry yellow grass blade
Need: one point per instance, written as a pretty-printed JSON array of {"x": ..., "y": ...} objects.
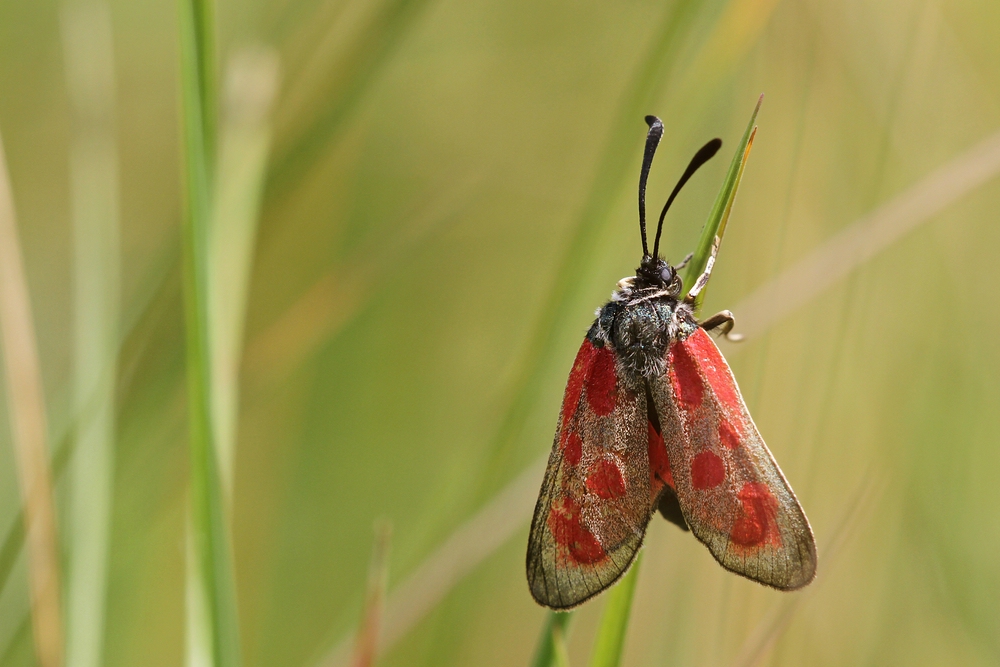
[
  {"x": 865, "y": 238},
  {"x": 366, "y": 643},
  {"x": 27, "y": 410},
  {"x": 759, "y": 642},
  {"x": 467, "y": 546}
]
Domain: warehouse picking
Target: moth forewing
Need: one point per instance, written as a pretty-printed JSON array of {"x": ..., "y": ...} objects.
[{"x": 594, "y": 505}]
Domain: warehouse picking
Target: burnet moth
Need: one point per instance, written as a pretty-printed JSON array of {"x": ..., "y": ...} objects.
[{"x": 652, "y": 420}]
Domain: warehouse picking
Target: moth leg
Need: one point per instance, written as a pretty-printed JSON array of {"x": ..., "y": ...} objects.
[
  {"x": 724, "y": 322},
  {"x": 699, "y": 284},
  {"x": 684, "y": 262}
]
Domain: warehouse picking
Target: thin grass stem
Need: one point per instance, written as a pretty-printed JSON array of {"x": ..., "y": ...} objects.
[
  {"x": 552, "y": 650},
  {"x": 251, "y": 84},
  {"x": 366, "y": 643},
  {"x": 87, "y": 45},
  {"x": 212, "y": 625},
  {"x": 863, "y": 239},
  {"x": 715, "y": 225},
  {"x": 26, "y": 404},
  {"x": 610, "y": 643}
]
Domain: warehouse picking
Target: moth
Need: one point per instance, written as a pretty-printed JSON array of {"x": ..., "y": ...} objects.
[{"x": 652, "y": 419}]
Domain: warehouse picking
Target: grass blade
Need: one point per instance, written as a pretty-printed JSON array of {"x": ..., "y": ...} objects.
[
  {"x": 202, "y": 13},
  {"x": 251, "y": 82},
  {"x": 26, "y": 399},
  {"x": 366, "y": 643},
  {"x": 362, "y": 60},
  {"x": 715, "y": 225},
  {"x": 614, "y": 622},
  {"x": 213, "y": 631},
  {"x": 859, "y": 242},
  {"x": 552, "y": 650},
  {"x": 772, "y": 625},
  {"x": 424, "y": 587},
  {"x": 14, "y": 540},
  {"x": 87, "y": 45}
]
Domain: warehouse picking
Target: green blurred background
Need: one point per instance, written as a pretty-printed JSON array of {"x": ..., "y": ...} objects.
[{"x": 449, "y": 193}]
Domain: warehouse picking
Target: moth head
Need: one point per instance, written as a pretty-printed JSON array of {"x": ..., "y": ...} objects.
[{"x": 657, "y": 273}]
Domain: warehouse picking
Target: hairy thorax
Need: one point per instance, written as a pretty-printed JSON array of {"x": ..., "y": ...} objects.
[{"x": 639, "y": 325}]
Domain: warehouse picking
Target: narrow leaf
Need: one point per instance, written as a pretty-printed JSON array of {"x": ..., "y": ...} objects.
[
  {"x": 26, "y": 406},
  {"x": 245, "y": 137},
  {"x": 13, "y": 542},
  {"x": 367, "y": 642},
  {"x": 89, "y": 61},
  {"x": 614, "y": 623},
  {"x": 551, "y": 651},
  {"x": 212, "y": 626},
  {"x": 715, "y": 225}
]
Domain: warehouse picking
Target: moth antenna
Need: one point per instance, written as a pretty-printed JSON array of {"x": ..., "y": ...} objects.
[
  {"x": 704, "y": 154},
  {"x": 652, "y": 140}
]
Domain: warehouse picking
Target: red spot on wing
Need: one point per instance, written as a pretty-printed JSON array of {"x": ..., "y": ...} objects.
[
  {"x": 659, "y": 463},
  {"x": 574, "y": 387},
  {"x": 728, "y": 435},
  {"x": 571, "y": 534},
  {"x": 709, "y": 363},
  {"x": 757, "y": 525},
  {"x": 573, "y": 448},
  {"x": 685, "y": 378},
  {"x": 602, "y": 382},
  {"x": 707, "y": 470},
  {"x": 606, "y": 480}
]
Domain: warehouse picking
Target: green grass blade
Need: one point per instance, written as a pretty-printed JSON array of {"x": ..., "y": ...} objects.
[
  {"x": 551, "y": 651},
  {"x": 203, "y": 18},
  {"x": 87, "y": 45},
  {"x": 367, "y": 54},
  {"x": 213, "y": 634},
  {"x": 715, "y": 225},
  {"x": 614, "y": 622},
  {"x": 245, "y": 140}
]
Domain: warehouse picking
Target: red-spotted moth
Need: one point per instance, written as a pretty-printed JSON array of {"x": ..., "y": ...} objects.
[{"x": 652, "y": 419}]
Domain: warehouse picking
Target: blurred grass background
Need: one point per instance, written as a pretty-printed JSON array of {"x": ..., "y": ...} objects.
[{"x": 449, "y": 193}]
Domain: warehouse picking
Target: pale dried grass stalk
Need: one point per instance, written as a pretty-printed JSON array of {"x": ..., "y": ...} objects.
[{"x": 26, "y": 401}]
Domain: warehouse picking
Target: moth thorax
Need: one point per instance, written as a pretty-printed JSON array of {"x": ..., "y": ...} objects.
[{"x": 641, "y": 335}]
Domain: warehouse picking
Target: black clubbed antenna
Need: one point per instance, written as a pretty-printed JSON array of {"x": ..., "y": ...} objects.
[
  {"x": 704, "y": 154},
  {"x": 652, "y": 139}
]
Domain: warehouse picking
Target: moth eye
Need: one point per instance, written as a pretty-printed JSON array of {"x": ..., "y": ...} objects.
[{"x": 666, "y": 274}]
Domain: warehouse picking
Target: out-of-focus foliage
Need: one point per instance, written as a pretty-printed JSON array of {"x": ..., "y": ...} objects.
[{"x": 450, "y": 194}]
